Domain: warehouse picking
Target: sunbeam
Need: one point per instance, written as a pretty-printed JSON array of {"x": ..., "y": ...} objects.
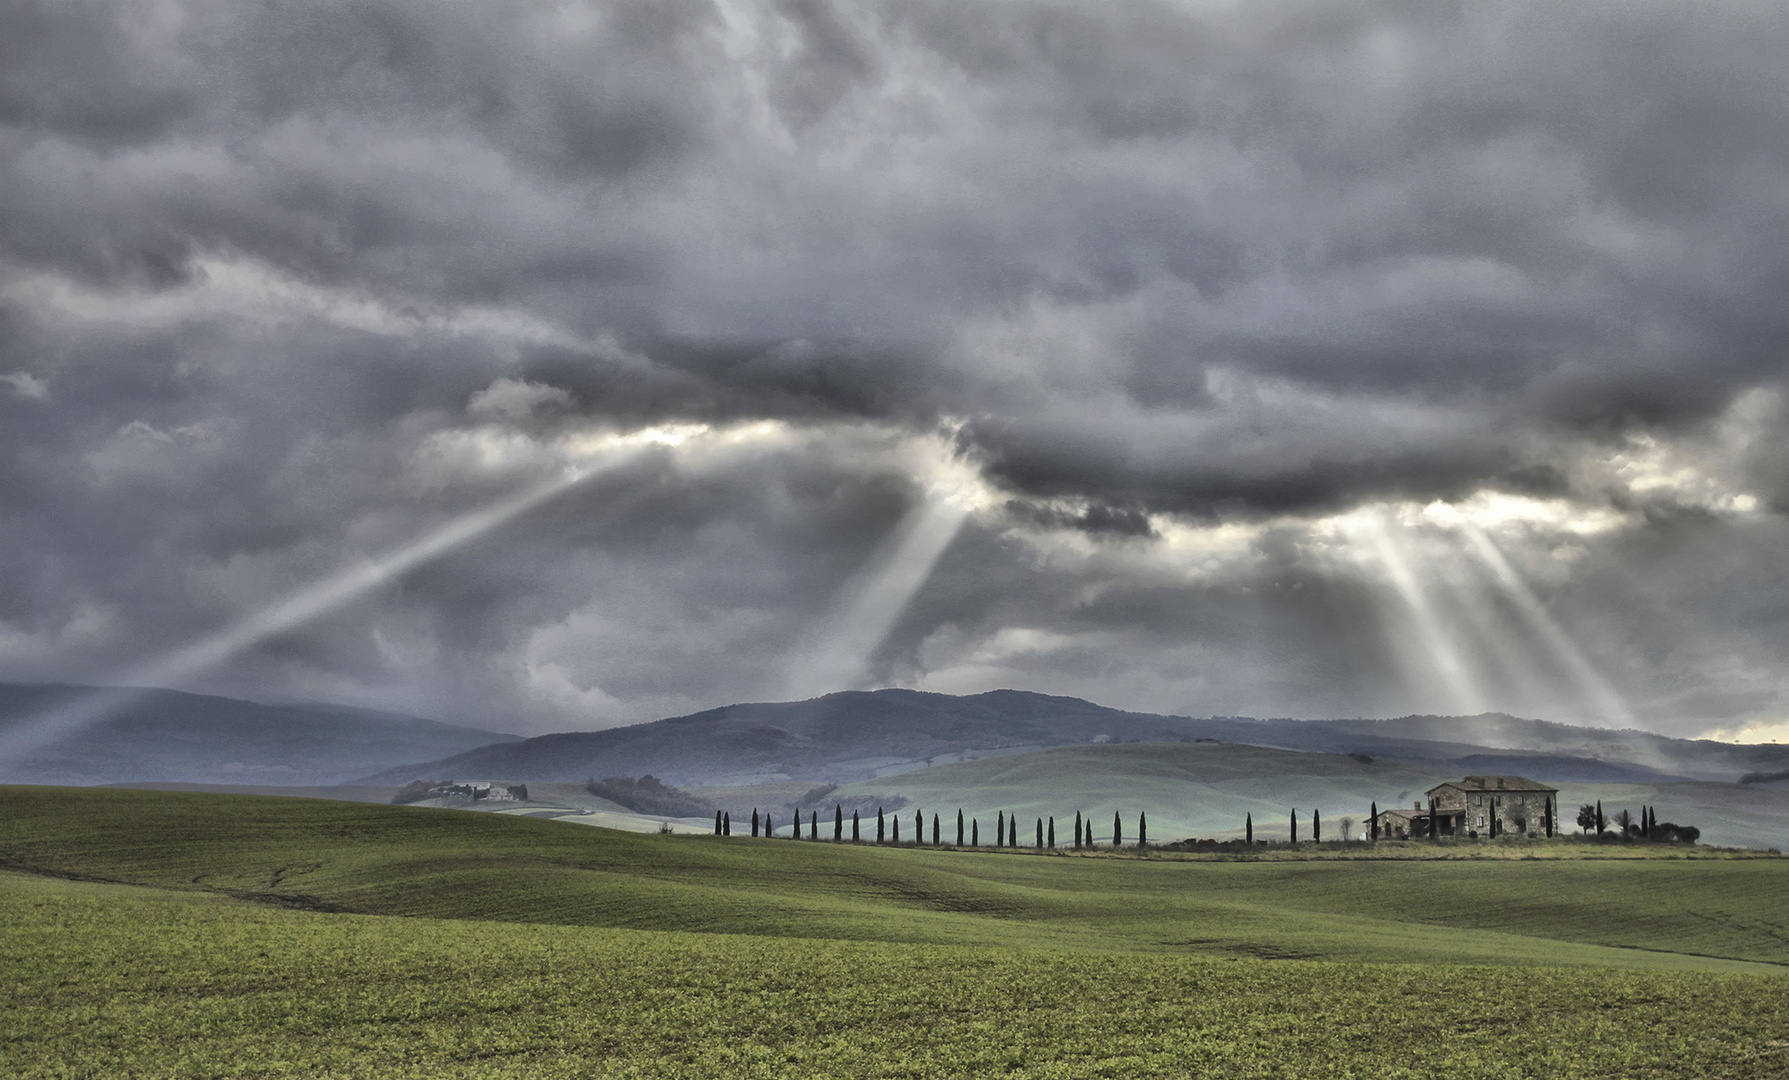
[
  {"x": 287, "y": 614},
  {"x": 1591, "y": 683},
  {"x": 1435, "y": 639},
  {"x": 877, "y": 598}
]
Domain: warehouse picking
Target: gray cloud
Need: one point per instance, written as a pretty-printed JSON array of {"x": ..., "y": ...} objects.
[{"x": 282, "y": 286}]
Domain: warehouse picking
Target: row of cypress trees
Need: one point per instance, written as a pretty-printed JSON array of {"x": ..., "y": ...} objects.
[{"x": 968, "y": 830}]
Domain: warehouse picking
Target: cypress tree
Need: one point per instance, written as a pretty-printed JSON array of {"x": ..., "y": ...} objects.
[
  {"x": 1012, "y": 830},
  {"x": 1599, "y": 817},
  {"x": 897, "y": 830},
  {"x": 1317, "y": 825},
  {"x": 1077, "y": 830},
  {"x": 1375, "y": 819},
  {"x": 1000, "y": 829},
  {"x": 1117, "y": 832},
  {"x": 769, "y": 831},
  {"x": 727, "y": 823},
  {"x": 1052, "y": 832},
  {"x": 1142, "y": 829},
  {"x": 1248, "y": 829},
  {"x": 880, "y": 825},
  {"x": 1040, "y": 832},
  {"x": 919, "y": 827},
  {"x": 717, "y": 823},
  {"x": 959, "y": 827},
  {"x": 975, "y": 833},
  {"x": 813, "y": 824},
  {"x": 1493, "y": 817},
  {"x": 754, "y": 822},
  {"x": 1294, "y": 820},
  {"x": 934, "y": 830},
  {"x": 856, "y": 828},
  {"x": 838, "y": 822}
]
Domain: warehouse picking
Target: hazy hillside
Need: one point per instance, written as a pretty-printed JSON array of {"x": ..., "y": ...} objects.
[
  {"x": 1187, "y": 789},
  {"x": 861, "y": 735},
  {"x": 1205, "y": 789},
  {"x": 166, "y": 735}
]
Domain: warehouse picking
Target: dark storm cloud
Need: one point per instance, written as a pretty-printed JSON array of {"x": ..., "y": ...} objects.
[{"x": 1206, "y": 263}]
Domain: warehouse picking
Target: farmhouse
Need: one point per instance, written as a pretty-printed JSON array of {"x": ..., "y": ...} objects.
[{"x": 1468, "y": 807}]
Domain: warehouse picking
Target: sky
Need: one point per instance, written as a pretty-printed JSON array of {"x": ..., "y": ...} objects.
[{"x": 554, "y": 366}]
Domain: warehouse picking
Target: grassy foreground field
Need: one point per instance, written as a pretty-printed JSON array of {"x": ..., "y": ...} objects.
[{"x": 538, "y": 949}]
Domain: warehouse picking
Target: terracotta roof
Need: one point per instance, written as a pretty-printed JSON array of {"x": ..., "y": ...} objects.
[{"x": 1494, "y": 784}]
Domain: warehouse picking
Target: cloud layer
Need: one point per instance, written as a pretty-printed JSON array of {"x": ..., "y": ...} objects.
[{"x": 1286, "y": 358}]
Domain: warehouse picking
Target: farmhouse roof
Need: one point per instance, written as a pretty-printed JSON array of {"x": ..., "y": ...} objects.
[{"x": 1493, "y": 784}]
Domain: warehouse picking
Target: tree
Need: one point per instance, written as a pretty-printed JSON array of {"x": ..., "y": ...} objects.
[
  {"x": 1317, "y": 826},
  {"x": 881, "y": 826},
  {"x": 1586, "y": 818},
  {"x": 1248, "y": 829},
  {"x": 1142, "y": 829},
  {"x": 1040, "y": 832},
  {"x": 813, "y": 824},
  {"x": 1375, "y": 819},
  {"x": 934, "y": 830},
  {"x": 975, "y": 833},
  {"x": 754, "y": 822},
  {"x": 727, "y": 823},
  {"x": 856, "y": 828},
  {"x": 1547, "y": 821},
  {"x": 1624, "y": 822},
  {"x": 838, "y": 822},
  {"x": 919, "y": 827},
  {"x": 1117, "y": 832},
  {"x": 1493, "y": 817},
  {"x": 1077, "y": 830},
  {"x": 717, "y": 823},
  {"x": 1599, "y": 817},
  {"x": 959, "y": 828},
  {"x": 1000, "y": 829},
  {"x": 1347, "y": 829},
  {"x": 1052, "y": 832},
  {"x": 768, "y": 831},
  {"x": 1294, "y": 820},
  {"x": 895, "y": 823}
]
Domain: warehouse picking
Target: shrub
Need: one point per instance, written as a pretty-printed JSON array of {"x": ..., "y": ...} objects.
[{"x": 648, "y": 796}]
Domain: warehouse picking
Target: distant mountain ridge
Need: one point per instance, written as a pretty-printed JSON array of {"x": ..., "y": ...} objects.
[
  {"x": 172, "y": 736},
  {"x": 858, "y": 735}
]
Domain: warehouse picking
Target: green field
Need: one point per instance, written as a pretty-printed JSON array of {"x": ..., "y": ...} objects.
[{"x": 171, "y": 934}]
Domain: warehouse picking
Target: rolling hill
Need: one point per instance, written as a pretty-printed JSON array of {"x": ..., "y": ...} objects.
[
  {"x": 861, "y": 735},
  {"x": 156, "y": 934},
  {"x": 170, "y": 736}
]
